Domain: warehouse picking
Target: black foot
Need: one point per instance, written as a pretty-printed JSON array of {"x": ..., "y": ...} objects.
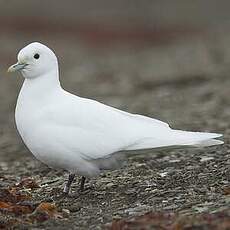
[
  {"x": 82, "y": 184},
  {"x": 68, "y": 184}
]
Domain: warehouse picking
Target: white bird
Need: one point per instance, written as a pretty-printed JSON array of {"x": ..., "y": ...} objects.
[{"x": 81, "y": 135}]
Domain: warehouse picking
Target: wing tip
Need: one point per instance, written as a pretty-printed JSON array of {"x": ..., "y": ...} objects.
[{"x": 209, "y": 142}]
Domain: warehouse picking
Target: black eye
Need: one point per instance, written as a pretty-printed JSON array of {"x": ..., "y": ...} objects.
[{"x": 36, "y": 56}]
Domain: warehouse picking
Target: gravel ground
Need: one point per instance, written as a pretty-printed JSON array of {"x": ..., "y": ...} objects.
[{"x": 185, "y": 83}]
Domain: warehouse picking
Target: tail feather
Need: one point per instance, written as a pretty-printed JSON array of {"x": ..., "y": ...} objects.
[
  {"x": 178, "y": 138},
  {"x": 209, "y": 142},
  {"x": 200, "y": 139}
]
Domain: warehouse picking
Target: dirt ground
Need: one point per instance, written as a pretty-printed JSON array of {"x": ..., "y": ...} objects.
[{"x": 183, "y": 82}]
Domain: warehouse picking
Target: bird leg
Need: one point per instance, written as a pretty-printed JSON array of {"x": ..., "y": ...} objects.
[
  {"x": 68, "y": 184},
  {"x": 82, "y": 183}
]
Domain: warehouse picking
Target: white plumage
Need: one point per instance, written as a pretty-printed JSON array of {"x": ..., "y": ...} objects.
[{"x": 82, "y": 135}]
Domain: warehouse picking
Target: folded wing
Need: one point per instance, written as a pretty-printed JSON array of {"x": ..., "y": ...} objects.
[{"x": 95, "y": 130}]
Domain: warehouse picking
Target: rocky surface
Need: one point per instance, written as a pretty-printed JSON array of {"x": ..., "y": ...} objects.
[{"x": 184, "y": 82}]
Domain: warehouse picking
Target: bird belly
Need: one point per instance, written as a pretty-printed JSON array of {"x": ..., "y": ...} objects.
[{"x": 52, "y": 152}]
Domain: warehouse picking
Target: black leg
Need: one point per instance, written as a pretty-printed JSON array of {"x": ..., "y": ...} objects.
[
  {"x": 68, "y": 184},
  {"x": 82, "y": 184}
]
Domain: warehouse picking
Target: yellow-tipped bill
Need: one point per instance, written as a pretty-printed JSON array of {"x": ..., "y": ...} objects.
[{"x": 16, "y": 67}]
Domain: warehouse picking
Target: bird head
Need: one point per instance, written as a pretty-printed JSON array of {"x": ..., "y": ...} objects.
[{"x": 35, "y": 60}]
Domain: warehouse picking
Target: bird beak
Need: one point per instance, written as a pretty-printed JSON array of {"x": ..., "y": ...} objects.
[{"x": 16, "y": 67}]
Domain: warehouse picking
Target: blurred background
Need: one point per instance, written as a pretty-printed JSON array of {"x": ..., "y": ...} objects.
[{"x": 167, "y": 59}]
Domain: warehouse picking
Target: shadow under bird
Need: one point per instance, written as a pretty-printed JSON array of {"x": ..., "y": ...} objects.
[{"x": 81, "y": 135}]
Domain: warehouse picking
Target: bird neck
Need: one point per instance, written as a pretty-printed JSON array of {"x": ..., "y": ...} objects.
[{"x": 42, "y": 85}]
